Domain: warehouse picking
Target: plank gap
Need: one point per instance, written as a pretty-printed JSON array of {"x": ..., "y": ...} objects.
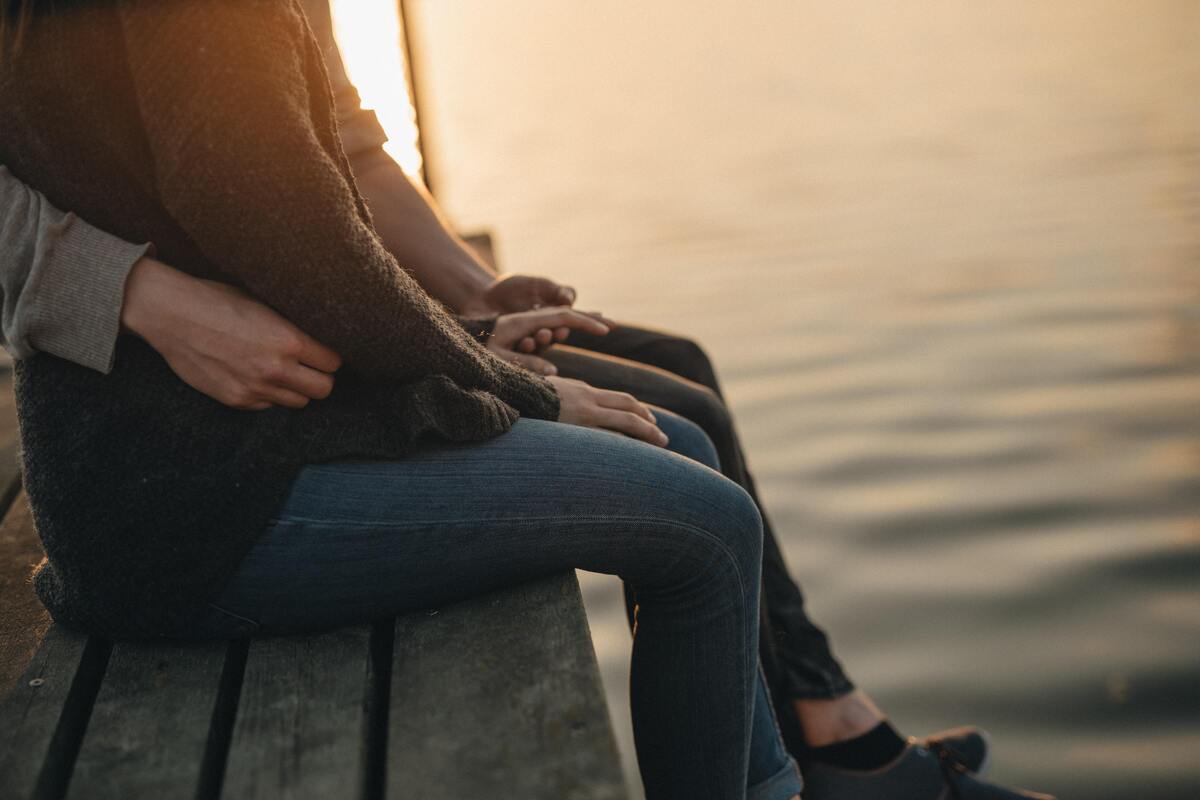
[
  {"x": 56, "y": 771},
  {"x": 220, "y": 730},
  {"x": 377, "y": 702}
]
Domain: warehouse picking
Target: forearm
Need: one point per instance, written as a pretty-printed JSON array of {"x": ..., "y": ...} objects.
[
  {"x": 413, "y": 230},
  {"x": 61, "y": 280},
  {"x": 259, "y": 144},
  {"x": 312, "y": 258}
]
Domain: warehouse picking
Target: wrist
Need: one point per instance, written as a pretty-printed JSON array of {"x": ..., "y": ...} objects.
[
  {"x": 148, "y": 292},
  {"x": 475, "y": 302}
]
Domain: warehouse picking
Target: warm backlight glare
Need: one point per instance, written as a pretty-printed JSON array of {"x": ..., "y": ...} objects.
[{"x": 370, "y": 38}]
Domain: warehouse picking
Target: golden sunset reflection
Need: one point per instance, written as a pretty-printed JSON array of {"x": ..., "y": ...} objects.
[
  {"x": 945, "y": 259},
  {"x": 370, "y": 38}
]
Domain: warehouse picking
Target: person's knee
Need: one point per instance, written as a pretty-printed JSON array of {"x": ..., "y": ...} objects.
[
  {"x": 747, "y": 531},
  {"x": 728, "y": 532},
  {"x": 703, "y": 407},
  {"x": 688, "y": 439},
  {"x": 698, "y": 530},
  {"x": 682, "y": 356}
]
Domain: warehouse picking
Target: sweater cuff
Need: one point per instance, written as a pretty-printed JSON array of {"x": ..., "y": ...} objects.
[
  {"x": 532, "y": 395},
  {"x": 81, "y": 294}
]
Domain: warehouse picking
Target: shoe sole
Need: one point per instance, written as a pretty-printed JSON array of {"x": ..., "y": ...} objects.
[{"x": 987, "y": 752}]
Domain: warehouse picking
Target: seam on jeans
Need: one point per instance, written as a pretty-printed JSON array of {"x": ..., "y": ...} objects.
[
  {"x": 753, "y": 663},
  {"x": 787, "y": 782},
  {"x": 640, "y": 520},
  {"x": 239, "y": 617},
  {"x": 414, "y": 523},
  {"x": 631, "y": 482}
]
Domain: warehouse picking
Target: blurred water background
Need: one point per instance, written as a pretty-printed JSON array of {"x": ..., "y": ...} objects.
[{"x": 946, "y": 256}]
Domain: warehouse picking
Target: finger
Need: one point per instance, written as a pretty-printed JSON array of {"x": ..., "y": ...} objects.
[
  {"x": 622, "y": 401},
  {"x": 532, "y": 363},
  {"x": 560, "y": 334},
  {"x": 512, "y": 329},
  {"x": 317, "y": 355},
  {"x": 527, "y": 345},
  {"x": 306, "y": 381},
  {"x": 279, "y": 396},
  {"x": 565, "y": 296},
  {"x": 631, "y": 425},
  {"x": 259, "y": 406},
  {"x": 547, "y": 292},
  {"x": 569, "y": 318},
  {"x": 599, "y": 317}
]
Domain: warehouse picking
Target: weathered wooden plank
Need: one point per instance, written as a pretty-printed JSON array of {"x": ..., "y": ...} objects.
[
  {"x": 150, "y": 722},
  {"x": 42, "y": 716},
  {"x": 24, "y": 621},
  {"x": 48, "y": 676},
  {"x": 500, "y": 696},
  {"x": 9, "y": 439},
  {"x": 301, "y": 723}
]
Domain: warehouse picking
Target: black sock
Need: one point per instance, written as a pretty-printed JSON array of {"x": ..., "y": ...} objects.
[{"x": 872, "y": 750}]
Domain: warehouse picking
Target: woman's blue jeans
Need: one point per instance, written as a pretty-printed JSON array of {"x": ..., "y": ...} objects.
[{"x": 357, "y": 541}]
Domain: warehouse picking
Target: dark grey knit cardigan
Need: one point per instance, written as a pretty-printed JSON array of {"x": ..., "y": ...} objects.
[{"x": 207, "y": 128}]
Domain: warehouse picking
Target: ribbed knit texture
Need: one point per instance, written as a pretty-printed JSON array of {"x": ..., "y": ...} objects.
[
  {"x": 78, "y": 298},
  {"x": 206, "y": 127},
  {"x": 63, "y": 280}
]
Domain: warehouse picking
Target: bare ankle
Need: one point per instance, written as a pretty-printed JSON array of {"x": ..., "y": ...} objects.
[{"x": 838, "y": 719}]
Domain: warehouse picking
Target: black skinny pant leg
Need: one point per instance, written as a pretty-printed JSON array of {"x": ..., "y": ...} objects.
[
  {"x": 809, "y": 669},
  {"x": 796, "y": 653}
]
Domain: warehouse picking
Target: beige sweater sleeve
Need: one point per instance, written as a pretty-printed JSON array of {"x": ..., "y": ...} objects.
[{"x": 62, "y": 282}]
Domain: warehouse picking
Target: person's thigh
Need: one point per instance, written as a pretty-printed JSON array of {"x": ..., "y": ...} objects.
[
  {"x": 686, "y": 438},
  {"x": 360, "y": 540},
  {"x": 357, "y": 541},
  {"x": 796, "y": 652},
  {"x": 654, "y": 386},
  {"x": 667, "y": 351}
]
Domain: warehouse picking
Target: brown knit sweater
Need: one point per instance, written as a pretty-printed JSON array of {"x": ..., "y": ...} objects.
[{"x": 206, "y": 127}]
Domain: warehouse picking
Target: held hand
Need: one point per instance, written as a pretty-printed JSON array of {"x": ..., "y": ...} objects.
[
  {"x": 589, "y": 407},
  {"x": 224, "y": 343},
  {"x": 516, "y": 336},
  {"x": 513, "y": 293}
]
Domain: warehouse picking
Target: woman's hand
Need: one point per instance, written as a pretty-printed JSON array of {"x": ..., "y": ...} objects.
[
  {"x": 589, "y": 407},
  {"x": 224, "y": 343},
  {"x": 517, "y": 336}
]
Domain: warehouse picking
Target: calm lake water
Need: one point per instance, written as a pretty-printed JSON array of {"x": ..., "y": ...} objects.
[{"x": 947, "y": 258}]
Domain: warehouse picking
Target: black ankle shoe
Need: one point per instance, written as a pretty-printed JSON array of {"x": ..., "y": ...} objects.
[
  {"x": 968, "y": 745},
  {"x": 919, "y": 773}
]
